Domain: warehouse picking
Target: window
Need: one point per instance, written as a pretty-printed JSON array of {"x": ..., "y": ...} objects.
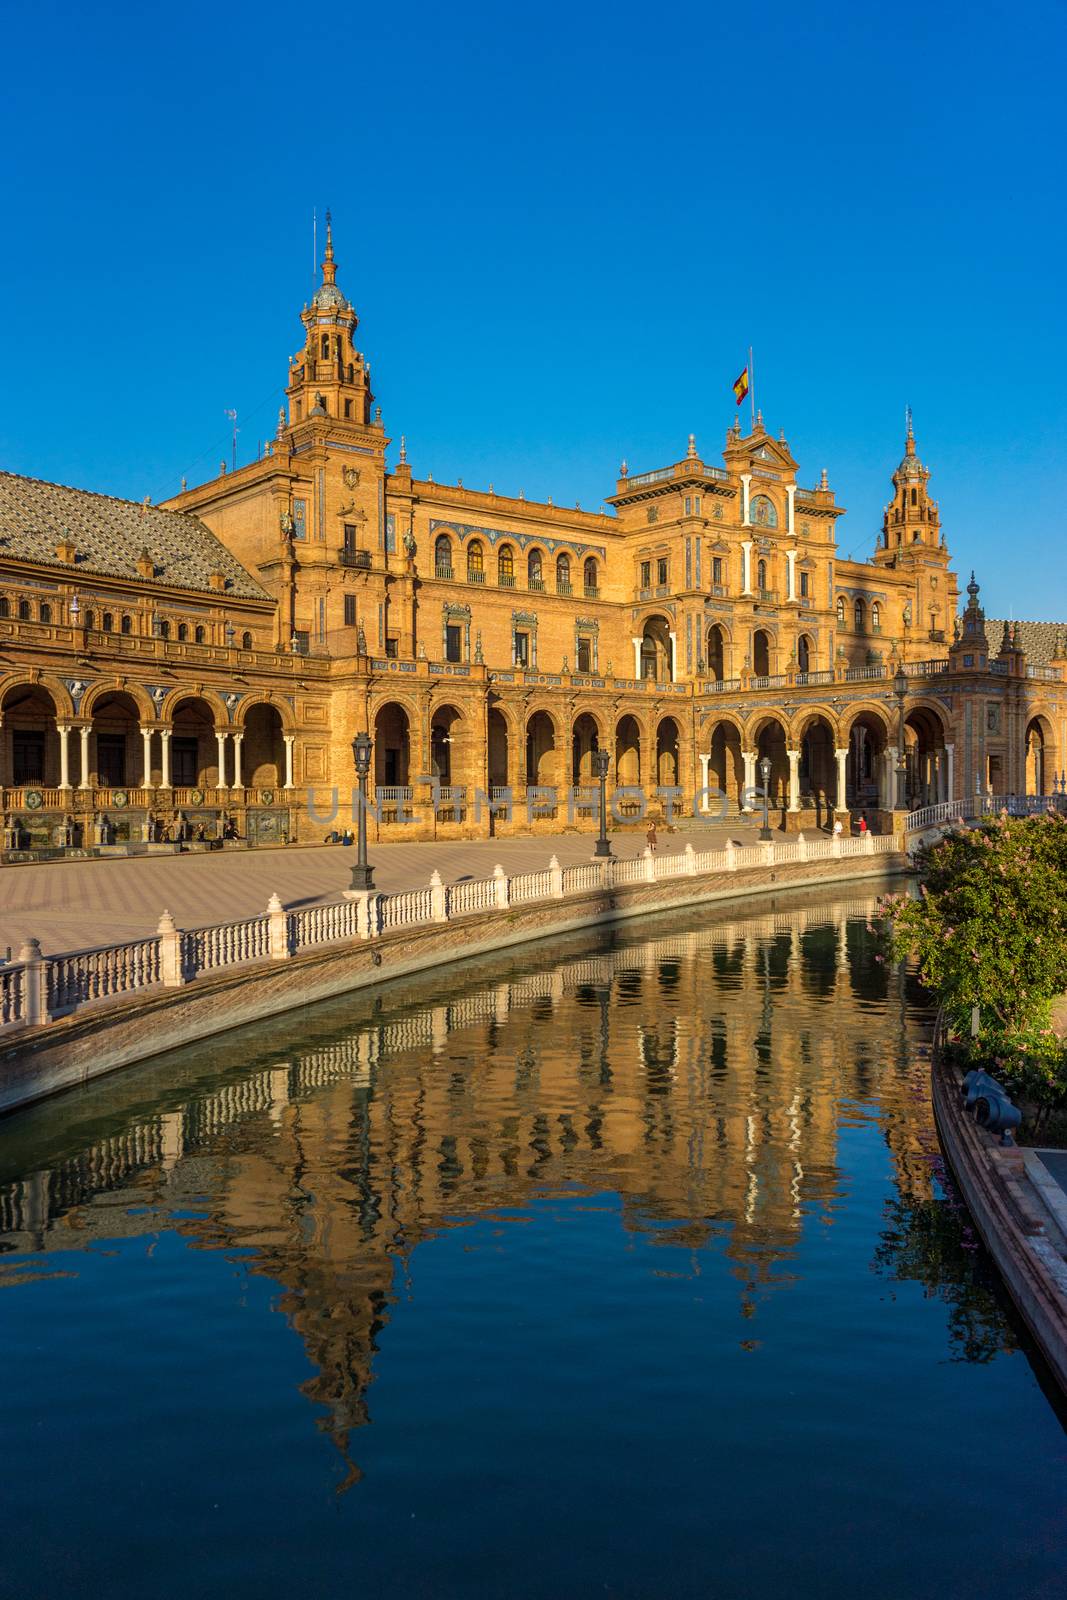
[
  {"x": 453, "y": 642},
  {"x": 761, "y": 575},
  {"x": 350, "y": 610},
  {"x": 859, "y": 612},
  {"x": 804, "y": 586},
  {"x": 646, "y": 574},
  {"x": 840, "y": 611},
  {"x": 563, "y": 574},
  {"x": 46, "y": 611},
  {"x": 589, "y": 577},
  {"x": 475, "y": 562},
  {"x": 184, "y": 762},
  {"x": 126, "y": 625},
  {"x": 522, "y": 649},
  {"x": 348, "y": 408},
  {"x": 164, "y": 630},
  {"x": 716, "y": 569},
  {"x": 183, "y": 630},
  {"x": 24, "y": 613},
  {"x": 696, "y": 505},
  {"x": 392, "y": 646},
  {"x": 200, "y": 635},
  {"x": 246, "y": 641},
  {"x": 914, "y": 497},
  {"x": 107, "y": 622},
  {"x": 325, "y": 347},
  {"x": 300, "y": 519},
  {"x": 350, "y": 537},
  {"x": 28, "y": 753},
  {"x": 689, "y": 505},
  {"x": 584, "y": 654},
  {"x": 442, "y": 556},
  {"x": 111, "y": 760},
  {"x": 87, "y": 616},
  {"x": 535, "y": 569},
  {"x": 505, "y": 567},
  {"x": 5, "y": 606},
  {"x": 661, "y": 570},
  {"x": 302, "y": 640},
  {"x": 876, "y": 617}
]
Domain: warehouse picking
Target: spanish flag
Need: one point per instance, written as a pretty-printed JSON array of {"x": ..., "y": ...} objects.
[{"x": 741, "y": 386}]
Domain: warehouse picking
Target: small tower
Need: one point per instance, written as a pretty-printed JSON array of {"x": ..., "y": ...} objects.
[
  {"x": 969, "y": 650},
  {"x": 329, "y": 377},
  {"x": 911, "y": 518}
]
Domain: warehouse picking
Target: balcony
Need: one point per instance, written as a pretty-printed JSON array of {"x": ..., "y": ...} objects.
[
  {"x": 563, "y": 587},
  {"x": 442, "y": 572},
  {"x": 538, "y": 585},
  {"x": 720, "y": 589},
  {"x": 591, "y": 592},
  {"x": 768, "y": 596},
  {"x": 354, "y": 558},
  {"x": 475, "y": 575},
  {"x": 506, "y": 580}
]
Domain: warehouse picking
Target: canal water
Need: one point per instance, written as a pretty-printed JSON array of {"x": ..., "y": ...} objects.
[{"x": 620, "y": 1267}]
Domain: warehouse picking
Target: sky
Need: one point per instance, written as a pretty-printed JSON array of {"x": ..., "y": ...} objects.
[{"x": 562, "y": 228}]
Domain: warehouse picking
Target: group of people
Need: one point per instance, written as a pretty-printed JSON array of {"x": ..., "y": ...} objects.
[{"x": 333, "y": 837}]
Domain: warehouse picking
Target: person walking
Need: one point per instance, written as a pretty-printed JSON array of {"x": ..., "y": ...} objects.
[
  {"x": 650, "y": 837},
  {"x": 863, "y": 823},
  {"x": 839, "y": 828}
]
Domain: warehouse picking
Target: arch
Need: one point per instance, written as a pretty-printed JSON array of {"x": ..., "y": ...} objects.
[
  {"x": 761, "y": 652},
  {"x": 805, "y": 653},
  {"x": 183, "y": 631},
  {"x": 840, "y": 611},
  {"x": 563, "y": 573},
  {"x": 770, "y": 741},
  {"x": 868, "y": 783},
  {"x": 245, "y": 707},
  {"x": 210, "y": 697},
  {"x": 541, "y": 748},
  {"x": 628, "y": 751},
  {"x": 655, "y": 648},
  {"x": 763, "y": 512},
  {"x": 446, "y": 743},
  {"x": 475, "y": 561},
  {"x": 246, "y": 641},
  {"x": 585, "y": 740},
  {"x": 667, "y": 743},
  {"x": 535, "y": 569},
  {"x": 716, "y": 654},
  {"x": 45, "y": 611},
  {"x": 442, "y": 556},
  {"x": 859, "y": 615},
  {"x": 54, "y": 688},
  {"x": 24, "y": 613},
  {"x": 142, "y": 700},
  {"x": 498, "y": 745},
  {"x": 200, "y": 636},
  {"x": 589, "y": 575},
  {"x": 1039, "y": 755},
  {"x": 194, "y": 719},
  {"x": 115, "y": 747},
  {"x": 817, "y": 768},
  {"x": 29, "y": 733},
  {"x": 392, "y": 746},
  {"x": 126, "y": 624},
  {"x": 726, "y": 767},
  {"x": 505, "y": 566},
  {"x": 924, "y": 753},
  {"x": 262, "y": 758}
]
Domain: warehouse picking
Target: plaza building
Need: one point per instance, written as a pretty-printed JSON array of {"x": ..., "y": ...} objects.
[{"x": 206, "y": 664}]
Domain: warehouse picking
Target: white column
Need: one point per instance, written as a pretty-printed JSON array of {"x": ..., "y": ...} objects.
[
  {"x": 749, "y": 758},
  {"x": 83, "y": 734},
  {"x": 746, "y": 480},
  {"x": 746, "y": 566},
  {"x": 790, "y": 496},
  {"x": 290, "y": 740},
  {"x": 840, "y": 802},
  {"x": 146, "y": 745},
  {"x": 791, "y": 575},
  {"x": 637, "y": 657},
  {"x": 794, "y": 779},
  {"x": 950, "y": 752},
  {"x": 705, "y": 804},
  {"x": 220, "y": 740},
  {"x": 63, "y": 729},
  {"x": 164, "y": 765},
  {"x": 674, "y": 657},
  {"x": 238, "y": 741},
  {"x": 889, "y": 767}
]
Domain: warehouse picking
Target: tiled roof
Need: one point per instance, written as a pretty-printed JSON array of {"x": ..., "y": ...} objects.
[
  {"x": 1038, "y": 639},
  {"x": 109, "y": 536}
]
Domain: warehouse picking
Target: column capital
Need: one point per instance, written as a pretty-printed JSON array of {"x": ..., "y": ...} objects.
[{"x": 794, "y": 755}]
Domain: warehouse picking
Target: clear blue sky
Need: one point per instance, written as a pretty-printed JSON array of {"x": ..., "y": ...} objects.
[{"x": 561, "y": 226}]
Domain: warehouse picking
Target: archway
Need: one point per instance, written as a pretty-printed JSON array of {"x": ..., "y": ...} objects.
[
  {"x": 655, "y": 649},
  {"x": 262, "y": 749},
  {"x": 716, "y": 653},
  {"x": 924, "y": 756},
  {"x": 869, "y": 782},
  {"x": 585, "y": 739},
  {"x": 771, "y": 743},
  {"x": 446, "y": 731},
  {"x": 193, "y": 747},
  {"x": 628, "y": 753},
  {"x": 497, "y": 751},
  {"x": 667, "y": 753},
  {"x": 761, "y": 653},
  {"x": 817, "y": 772},
  {"x": 119, "y": 751},
  {"x": 805, "y": 654},
  {"x": 30, "y": 740},
  {"x": 392, "y": 747},
  {"x": 540, "y": 750},
  {"x": 1040, "y": 757},
  {"x": 726, "y": 767}
]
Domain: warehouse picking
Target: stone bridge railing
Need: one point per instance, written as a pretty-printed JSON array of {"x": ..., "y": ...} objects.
[
  {"x": 929, "y": 818},
  {"x": 39, "y": 989}
]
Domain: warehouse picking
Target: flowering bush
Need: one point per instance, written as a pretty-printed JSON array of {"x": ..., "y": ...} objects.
[{"x": 989, "y": 929}]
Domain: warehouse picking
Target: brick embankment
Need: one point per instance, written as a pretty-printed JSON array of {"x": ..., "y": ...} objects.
[
  {"x": 73, "y": 1050},
  {"x": 1020, "y": 1231}
]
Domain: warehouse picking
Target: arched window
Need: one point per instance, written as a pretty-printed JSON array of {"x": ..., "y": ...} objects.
[
  {"x": 46, "y": 611},
  {"x": 589, "y": 577},
  {"x": 563, "y": 573},
  {"x": 325, "y": 347},
  {"x": 246, "y": 641},
  {"x": 763, "y": 513},
  {"x": 804, "y": 653},
  {"x": 840, "y": 611},
  {"x": 534, "y": 570},
  {"x": 183, "y": 631},
  {"x": 442, "y": 556},
  {"x": 24, "y": 613},
  {"x": 126, "y": 625},
  {"x": 506, "y": 566},
  {"x": 5, "y": 606},
  {"x": 88, "y": 620},
  {"x": 164, "y": 630},
  {"x": 199, "y": 636},
  {"x": 761, "y": 575},
  {"x": 876, "y": 616},
  {"x": 107, "y": 622},
  {"x": 475, "y": 562},
  {"x": 859, "y": 614},
  {"x": 914, "y": 497}
]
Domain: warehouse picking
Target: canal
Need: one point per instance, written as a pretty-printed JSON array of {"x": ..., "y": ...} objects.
[{"x": 624, "y": 1267}]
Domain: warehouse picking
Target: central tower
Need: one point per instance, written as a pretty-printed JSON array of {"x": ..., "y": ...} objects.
[{"x": 329, "y": 376}]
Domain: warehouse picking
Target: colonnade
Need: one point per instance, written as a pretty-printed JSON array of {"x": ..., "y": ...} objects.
[{"x": 222, "y": 736}]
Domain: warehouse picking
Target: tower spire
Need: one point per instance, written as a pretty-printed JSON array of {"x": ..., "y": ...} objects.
[
  {"x": 909, "y": 441},
  {"x": 329, "y": 266}
]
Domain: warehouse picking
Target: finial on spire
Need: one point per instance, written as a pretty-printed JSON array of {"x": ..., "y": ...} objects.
[
  {"x": 329, "y": 266},
  {"x": 909, "y": 442},
  {"x": 824, "y": 482},
  {"x": 280, "y": 431},
  {"x": 624, "y": 469},
  {"x": 691, "y": 452},
  {"x": 403, "y": 449},
  {"x": 759, "y": 419}
]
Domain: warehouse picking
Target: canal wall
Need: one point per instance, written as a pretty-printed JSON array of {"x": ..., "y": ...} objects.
[
  {"x": 1018, "y": 1226},
  {"x": 70, "y": 1018}
]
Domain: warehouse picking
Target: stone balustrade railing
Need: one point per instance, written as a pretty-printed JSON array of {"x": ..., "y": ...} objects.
[
  {"x": 978, "y": 806},
  {"x": 38, "y": 989}
]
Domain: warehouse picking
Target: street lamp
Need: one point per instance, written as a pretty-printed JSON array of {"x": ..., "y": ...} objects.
[
  {"x": 765, "y": 774},
  {"x": 900, "y": 689},
  {"x": 601, "y": 763},
  {"x": 362, "y": 874}
]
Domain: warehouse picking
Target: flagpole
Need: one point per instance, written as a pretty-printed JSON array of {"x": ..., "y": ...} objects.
[{"x": 752, "y": 387}]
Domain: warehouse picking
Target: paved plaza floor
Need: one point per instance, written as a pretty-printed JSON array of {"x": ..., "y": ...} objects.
[{"x": 69, "y": 905}]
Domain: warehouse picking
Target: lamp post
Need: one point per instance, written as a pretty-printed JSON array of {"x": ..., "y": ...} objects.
[
  {"x": 362, "y": 874},
  {"x": 765, "y": 774},
  {"x": 900, "y": 689},
  {"x": 601, "y": 763}
]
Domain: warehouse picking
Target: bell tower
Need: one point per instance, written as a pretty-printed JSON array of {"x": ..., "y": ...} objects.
[
  {"x": 329, "y": 377},
  {"x": 911, "y": 518}
]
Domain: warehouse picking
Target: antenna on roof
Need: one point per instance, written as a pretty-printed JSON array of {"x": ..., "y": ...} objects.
[
  {"x": 233, "y": 418},
  {"x": 314, "y": 244}
]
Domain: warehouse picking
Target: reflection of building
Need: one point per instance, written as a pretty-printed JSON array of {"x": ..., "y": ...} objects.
[
  {"x": 221, "y": 653},
  {"x": 700, "y": 1076}
]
